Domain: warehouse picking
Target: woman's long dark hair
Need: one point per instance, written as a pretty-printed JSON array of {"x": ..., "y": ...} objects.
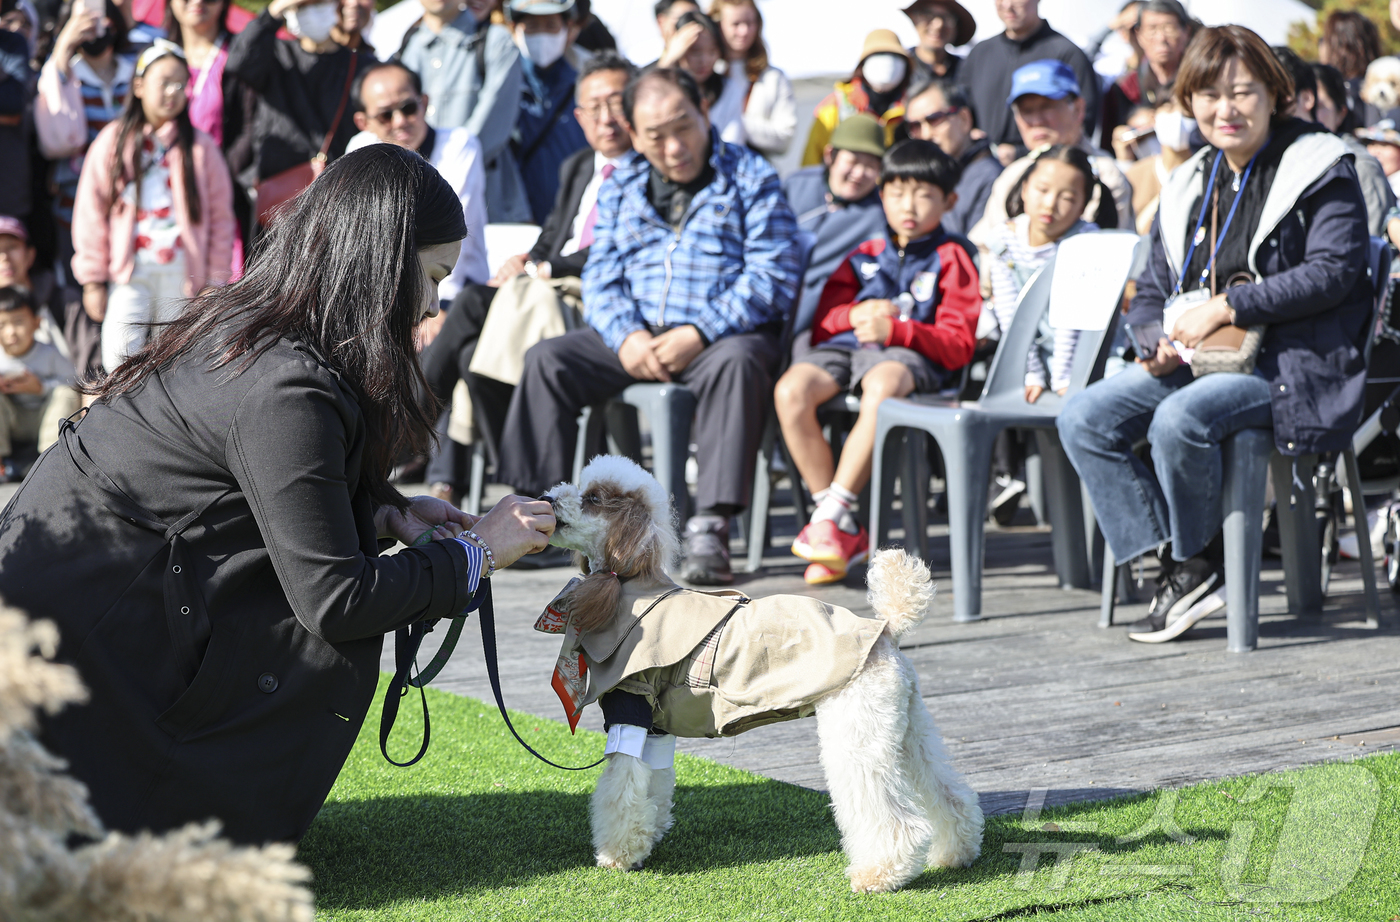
[
  {"x": 132, "y": 122},
  {"x": 1105, "y": 216},
  {"x": 338, "y": 271}
]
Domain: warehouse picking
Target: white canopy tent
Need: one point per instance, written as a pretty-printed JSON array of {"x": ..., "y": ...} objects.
[{"x": 809, "y": 38}]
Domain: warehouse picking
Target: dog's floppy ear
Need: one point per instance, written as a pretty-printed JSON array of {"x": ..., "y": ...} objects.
[
  {"x": 631, "y": 546},
  {"x": 591, "y": 603}
]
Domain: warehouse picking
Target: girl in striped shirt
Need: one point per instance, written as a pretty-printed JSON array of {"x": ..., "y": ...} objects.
[{"x": 1045, "y": 209}]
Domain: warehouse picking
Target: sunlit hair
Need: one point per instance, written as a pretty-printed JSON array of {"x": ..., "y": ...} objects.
[
  {"x": 1212, "y": 50},
  {"x": 1352, "y": 40},
  {"x": 339, "y": 272},
  {"x": 1105, "y": 216},
  {"x": 756, "y": 59}
]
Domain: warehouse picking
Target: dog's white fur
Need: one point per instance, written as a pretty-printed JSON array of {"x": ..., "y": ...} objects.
[
  {"x": 898, "y": 801},
  {"x": 1381, "y": 86}
]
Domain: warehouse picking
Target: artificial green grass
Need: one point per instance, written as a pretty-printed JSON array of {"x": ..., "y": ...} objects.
[{"x": 479, "y": 830}]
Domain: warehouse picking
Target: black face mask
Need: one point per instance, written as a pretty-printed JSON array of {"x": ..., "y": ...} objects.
[{"x": 98, "y": 45}]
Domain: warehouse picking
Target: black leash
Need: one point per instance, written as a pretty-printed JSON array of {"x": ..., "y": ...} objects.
[
  {"x": 409, "y": 639},
  {"x": 487, "y": 617}
]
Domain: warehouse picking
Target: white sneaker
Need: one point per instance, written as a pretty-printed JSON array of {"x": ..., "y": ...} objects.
[{"x": 1210, "y": 605}]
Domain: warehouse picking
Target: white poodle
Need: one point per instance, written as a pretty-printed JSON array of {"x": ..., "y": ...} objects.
[{"x": 673, "y": 662}]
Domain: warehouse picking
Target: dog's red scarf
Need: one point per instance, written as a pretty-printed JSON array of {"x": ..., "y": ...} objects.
[{"x": 570, "y": 670}]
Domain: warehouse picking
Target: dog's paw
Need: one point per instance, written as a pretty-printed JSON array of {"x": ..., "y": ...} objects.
[
  {"x": 874, "y": 880},
  {"x": 620, "y": 862},
  {"x": 960, "y": 857}
]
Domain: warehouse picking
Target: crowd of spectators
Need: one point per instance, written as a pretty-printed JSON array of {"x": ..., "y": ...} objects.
[{"x": 144, "y": 156}]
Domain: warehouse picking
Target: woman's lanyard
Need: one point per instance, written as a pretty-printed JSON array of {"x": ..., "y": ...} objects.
[{"x": 1197, "y": 235}]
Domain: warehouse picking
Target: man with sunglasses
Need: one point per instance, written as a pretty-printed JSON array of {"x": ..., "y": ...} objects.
[
  {"x": 390, "y": 107},
  {"x": 940, "y": 112}
]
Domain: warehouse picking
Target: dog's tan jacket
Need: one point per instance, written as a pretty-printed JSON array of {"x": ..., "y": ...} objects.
[{"x": 719, "y": 663}]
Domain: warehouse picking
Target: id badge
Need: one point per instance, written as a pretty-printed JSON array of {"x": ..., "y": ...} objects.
[{"x": 1179, "y": 304}]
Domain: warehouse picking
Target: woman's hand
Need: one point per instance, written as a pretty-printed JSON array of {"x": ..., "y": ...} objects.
[
  {"x": 1033, "y": 392},
  {"x": 1201, "y": 321},
  {"x": 95, "y": 300},
  {"x": 424, "y": 513},
  {"x": 1166, "y": 361},
  {"x": 516, "y": 526},
  {"x": 682, "y": 40},
  {"x": 81, "y": 27}
]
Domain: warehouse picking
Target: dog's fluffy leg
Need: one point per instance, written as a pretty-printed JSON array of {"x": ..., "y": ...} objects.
[
  {"x": 900, "y": 590},
  {"x": 884, "y": 828},
  {"x": 952, "y": 807},
  {"x": 624, "y": 815}
]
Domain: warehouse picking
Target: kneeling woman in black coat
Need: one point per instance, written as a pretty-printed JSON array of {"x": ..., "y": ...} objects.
[{"x": 207, "y": 538}]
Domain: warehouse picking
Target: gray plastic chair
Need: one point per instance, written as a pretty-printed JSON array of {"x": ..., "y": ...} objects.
[
  {"x": 1245, "y": 455},
  {"x": 966, "y": 432}
]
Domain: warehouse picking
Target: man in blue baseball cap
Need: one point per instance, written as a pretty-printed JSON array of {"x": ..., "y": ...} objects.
[
  {"x": 1049, "y": 109},
  {"x": 987, "y": 71}
]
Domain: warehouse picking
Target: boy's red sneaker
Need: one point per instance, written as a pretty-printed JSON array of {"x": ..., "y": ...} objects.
[
  {"x": 823, "y": 543},
  {"x": 819, "y": 574}
]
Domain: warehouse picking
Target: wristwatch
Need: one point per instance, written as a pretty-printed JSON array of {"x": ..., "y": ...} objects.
[
  {"x": 531, "y": 269},
  {"x": 1228, "y": 307}
]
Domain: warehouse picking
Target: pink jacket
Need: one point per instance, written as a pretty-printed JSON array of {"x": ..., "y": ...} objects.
[{"x": 104, "y": 245}]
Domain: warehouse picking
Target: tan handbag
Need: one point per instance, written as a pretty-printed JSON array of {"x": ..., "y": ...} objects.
[
  {"x": 1230, "y": 349},
  {"x": 272, "y": 193}
]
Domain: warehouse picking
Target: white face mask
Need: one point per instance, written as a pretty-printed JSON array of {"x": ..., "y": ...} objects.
[
  {"x": 883, "y": 72},
  {"x": 544, "y": 48},
  {"x": 313, "y": 21},
  {"x": 1174, "y": 130}
]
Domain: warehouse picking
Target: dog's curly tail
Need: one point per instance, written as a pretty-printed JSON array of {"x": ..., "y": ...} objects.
[{"x": 900, "y": 589}]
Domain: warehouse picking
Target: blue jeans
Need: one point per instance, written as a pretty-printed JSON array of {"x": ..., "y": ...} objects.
[{"x": 1185, "y": 420}]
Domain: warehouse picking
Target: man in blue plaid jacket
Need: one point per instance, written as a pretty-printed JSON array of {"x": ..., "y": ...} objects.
[{"x": 692, "y": 270}]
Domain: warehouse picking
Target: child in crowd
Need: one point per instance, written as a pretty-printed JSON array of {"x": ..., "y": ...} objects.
[
  {"x": 157, "y": 226},
  {"x": 1045, "y": 209},
  {"x": 36, "y": 392},
  {"x": 898, "y": 316}
]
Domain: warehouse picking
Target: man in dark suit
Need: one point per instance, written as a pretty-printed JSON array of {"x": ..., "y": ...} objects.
[{"x": 560, "y": 251}]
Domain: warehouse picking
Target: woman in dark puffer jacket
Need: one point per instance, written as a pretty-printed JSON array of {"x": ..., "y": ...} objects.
[{"x": 1290, "y": 223}]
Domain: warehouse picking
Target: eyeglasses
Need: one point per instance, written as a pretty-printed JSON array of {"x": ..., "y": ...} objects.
[
  {"x": 934, "y": 119},
  {"x": 172, "y": 88},
  {"x": 613, "y": 107},
  {"x": 408, "y": 108},
  {"x": 1170, "y": 32}
]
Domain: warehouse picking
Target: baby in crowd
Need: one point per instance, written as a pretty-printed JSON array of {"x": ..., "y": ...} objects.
[
  {"x": 1045, "y": 209},
  {"x": 899, "y": 316},
  {"x": 35, "y": 381}
]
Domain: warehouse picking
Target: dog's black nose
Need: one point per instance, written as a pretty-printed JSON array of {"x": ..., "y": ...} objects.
[{"x": 547, "y": 497}]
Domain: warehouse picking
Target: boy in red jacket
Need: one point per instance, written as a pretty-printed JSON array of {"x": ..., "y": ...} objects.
[{"x": 898, "y": 317}]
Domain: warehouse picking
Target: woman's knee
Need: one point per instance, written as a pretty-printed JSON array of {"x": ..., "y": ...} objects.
[
  {"x": 1177, "y": 422},
  {"x": 1077, "y": 421}
]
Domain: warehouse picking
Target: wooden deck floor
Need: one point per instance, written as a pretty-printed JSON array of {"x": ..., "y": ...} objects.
[{"x": 1036, "y": 697}]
